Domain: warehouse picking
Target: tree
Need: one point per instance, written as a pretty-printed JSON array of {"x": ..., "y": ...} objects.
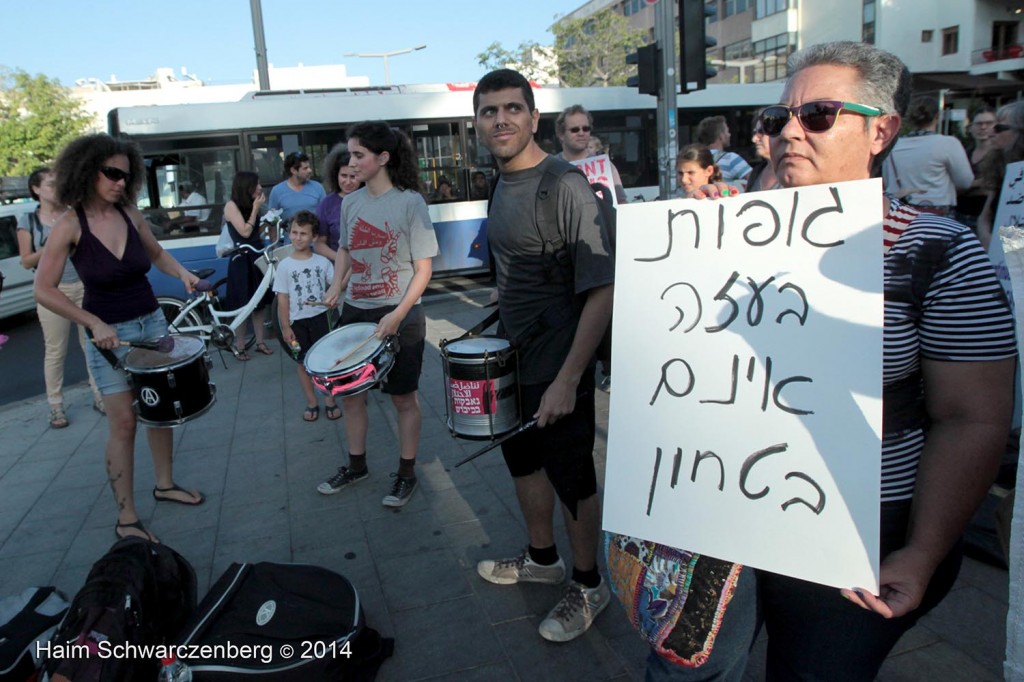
[
  {"x": 592, "y": 50},
  {"x": 531, "y": 59},
  {"x": 38, "y": 116}
]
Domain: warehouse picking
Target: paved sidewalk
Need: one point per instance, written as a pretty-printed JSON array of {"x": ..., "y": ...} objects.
[{"x": 258, "y": 464}]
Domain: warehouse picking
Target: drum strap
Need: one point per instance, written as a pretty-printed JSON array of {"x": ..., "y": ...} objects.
[
  {"x": 477, "y": 328},
  {"x": 107, "y": 355}
]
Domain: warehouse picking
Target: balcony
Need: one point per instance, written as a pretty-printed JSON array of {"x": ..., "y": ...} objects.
[{"x": 997, "y": 54}]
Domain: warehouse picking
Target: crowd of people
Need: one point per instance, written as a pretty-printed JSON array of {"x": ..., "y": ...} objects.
[{"x": 947, "y": 397}]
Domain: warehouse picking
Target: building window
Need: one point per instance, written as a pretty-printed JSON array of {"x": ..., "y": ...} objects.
[
  {"x": 926, "y": 36},
  {"x": 868, "y": 28},
  {"x": 744, "y": 49},
  {"x": 950, "y": 40},
  {"x": 711, "y": 11},
  {"x": 773, "y": 53},
  {"x": 766, "y": 8},
  {"x": 630, "y": 7},
  {"x": 1004, "y": 35},
  {"x": 732, "y": 7}
]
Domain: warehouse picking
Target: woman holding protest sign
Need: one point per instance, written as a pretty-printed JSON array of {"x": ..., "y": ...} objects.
[{"x": 948, "y": 361}]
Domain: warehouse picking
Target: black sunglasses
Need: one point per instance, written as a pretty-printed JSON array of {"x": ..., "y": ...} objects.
[
  {"x": 115, "y": 174},
  {"x": 577, "y": 129},
  {"x": 814, "y": 117},
  {"x": 1001, "y": 127}
]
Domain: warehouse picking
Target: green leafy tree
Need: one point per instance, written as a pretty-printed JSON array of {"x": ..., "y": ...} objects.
[
  {"x": 38, "y": 116},
  {"x": 592, "y": 51},
  {"x": 531, "y": 59}
]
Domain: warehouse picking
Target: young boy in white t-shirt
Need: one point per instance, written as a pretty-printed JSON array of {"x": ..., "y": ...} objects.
[{"x": 301, "y": 282}]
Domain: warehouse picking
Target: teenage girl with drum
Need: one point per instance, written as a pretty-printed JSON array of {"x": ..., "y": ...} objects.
[
  {"x": 387, "y": 243},
  {"x": 112, "y": 248}
]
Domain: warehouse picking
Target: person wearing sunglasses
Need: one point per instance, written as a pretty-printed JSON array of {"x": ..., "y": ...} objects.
[
  {"x": 573, "y": 127},
  {"x": 948, "y": 361},
  {"x": 112, "y": 248},
  {"x": 714, "y": 132},
  {"x": 925, "y": 168},
  {"x": 1007, "y": 147}
]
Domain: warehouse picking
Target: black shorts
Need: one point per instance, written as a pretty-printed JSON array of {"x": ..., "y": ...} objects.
[
  {"x": 564, "y": 450},
  {"x": 308, "y": 331},
  {"x": 404, "y": 377}
]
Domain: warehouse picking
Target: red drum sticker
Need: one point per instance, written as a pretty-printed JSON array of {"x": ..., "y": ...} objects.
[{"x": 473, "y": 397}]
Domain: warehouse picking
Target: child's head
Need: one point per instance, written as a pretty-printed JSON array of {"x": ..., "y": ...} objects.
[{"x": 303, "y": 229}]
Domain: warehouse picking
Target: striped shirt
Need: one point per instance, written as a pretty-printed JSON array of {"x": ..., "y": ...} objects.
[{"x": 942, "y": 302}]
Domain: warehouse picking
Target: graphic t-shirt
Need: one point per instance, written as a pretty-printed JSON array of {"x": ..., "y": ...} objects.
[
  {"x": 304, "y": 281},
  {"x": 384, "y": 235}
]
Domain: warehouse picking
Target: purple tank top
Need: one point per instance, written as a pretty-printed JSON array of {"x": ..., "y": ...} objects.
[{"x": 116, "y": 290}]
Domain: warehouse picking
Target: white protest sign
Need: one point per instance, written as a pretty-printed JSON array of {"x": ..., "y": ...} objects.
[
  {"x": 598, "y": 169},
  {"x": 1010, "y": 211},
  {"x": 746, "y": 418}
]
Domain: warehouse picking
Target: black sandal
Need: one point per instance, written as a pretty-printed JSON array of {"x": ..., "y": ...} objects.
[
  {"x": 311, "y": 414},
  {"x": 175, "y": 488},
  {"x": 333, "y": 411},
  {"x": 240, "y": 355},
  {"x": 137, "y": 525},
  {"x": 263, "y": 348}
]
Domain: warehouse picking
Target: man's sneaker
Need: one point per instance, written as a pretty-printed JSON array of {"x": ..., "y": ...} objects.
[
  {"x": 401, "y": 490},
  {"x": 344, "y": 478},
  {"x": 521, "y": 569},
  {"x": 575, "y": 612}
]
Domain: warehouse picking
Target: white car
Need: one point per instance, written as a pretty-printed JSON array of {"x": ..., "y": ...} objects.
[{"x": 17, "y": 296}]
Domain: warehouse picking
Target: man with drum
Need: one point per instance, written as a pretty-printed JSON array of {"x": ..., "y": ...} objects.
[{"x": 555, "y": 300}]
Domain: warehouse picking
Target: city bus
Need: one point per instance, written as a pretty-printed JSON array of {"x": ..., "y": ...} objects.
[{"x": 201, "y": 146}]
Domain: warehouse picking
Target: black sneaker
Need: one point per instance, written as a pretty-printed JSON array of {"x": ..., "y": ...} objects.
[
  {"x": 401, "y": 490},
  {"x": 344, "y": 478}
]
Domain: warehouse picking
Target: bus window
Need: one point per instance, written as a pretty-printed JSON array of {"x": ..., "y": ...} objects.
[
  {"x": 439, "y": 155},
  {"x": 200, "y": 180}
]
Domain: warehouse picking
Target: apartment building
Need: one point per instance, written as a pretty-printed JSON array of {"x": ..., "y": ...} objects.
[{"x": 970, "y": 48}]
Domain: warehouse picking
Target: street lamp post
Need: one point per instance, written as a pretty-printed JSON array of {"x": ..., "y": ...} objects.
[{"x": 384, "y": 56}]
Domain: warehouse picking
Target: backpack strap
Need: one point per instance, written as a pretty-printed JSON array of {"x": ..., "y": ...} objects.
[
  {"x": 546, "y": 209},
  {"x": 36, "y": 230}
]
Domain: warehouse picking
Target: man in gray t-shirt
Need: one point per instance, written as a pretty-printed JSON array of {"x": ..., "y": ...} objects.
[{"x": 554, "y": 299}]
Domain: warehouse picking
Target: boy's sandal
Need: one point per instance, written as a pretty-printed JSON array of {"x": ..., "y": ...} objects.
[
  {"x": 311, "y": 414},
  {"x": 58, "y": 420},
  {"x": 333, "y": 411},
  {"x": 263, "y": 348}
]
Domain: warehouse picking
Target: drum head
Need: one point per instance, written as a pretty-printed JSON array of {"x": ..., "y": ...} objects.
[
  {"x": 477, "y": 347},
  {"x": 185, "y": 349},
  {"x": 325, "y": 353}
]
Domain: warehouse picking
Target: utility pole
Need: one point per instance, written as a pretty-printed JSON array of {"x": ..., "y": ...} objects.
[
  {"x": 262, "y": 69},
  {"x": 665, "y": 36}
]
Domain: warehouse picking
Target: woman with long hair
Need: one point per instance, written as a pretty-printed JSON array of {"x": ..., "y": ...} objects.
[
  {"x": 33, "y": 232},
  {"x": 388, "y": 239},
  {"x": 242, "y": 215},
  {"x": 339, "y": 181},
  {"x": 112, "y": 248}
]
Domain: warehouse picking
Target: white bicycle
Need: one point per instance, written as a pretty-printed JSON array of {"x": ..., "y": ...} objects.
[{"x": 202, "y": 316}]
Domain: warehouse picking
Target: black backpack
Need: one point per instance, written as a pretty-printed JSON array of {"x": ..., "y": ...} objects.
[{"x": 139, "y": 593}]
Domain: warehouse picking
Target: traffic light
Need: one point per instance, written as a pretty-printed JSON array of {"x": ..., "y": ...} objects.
[
  {"x": 694, "y": 44},
  {"x": 646, "y": 79}
]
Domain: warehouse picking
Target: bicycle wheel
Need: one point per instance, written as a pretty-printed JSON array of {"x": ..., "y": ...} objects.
[{"x": 190, "y": 323}]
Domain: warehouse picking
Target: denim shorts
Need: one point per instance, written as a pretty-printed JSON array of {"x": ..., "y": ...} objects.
[{"x": 109, "y": 380}]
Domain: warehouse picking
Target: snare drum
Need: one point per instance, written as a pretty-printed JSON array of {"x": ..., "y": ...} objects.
[
  {"x": 350, "y": 360},
  {"x": 481, "y": 383},
  {"x": 172, "y": 388}
]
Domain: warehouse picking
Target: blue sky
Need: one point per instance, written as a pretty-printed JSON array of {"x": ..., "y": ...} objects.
[{"x": 70, "y": 39}]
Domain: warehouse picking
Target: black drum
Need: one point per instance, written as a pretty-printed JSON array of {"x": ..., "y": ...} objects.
[
  {"x": 171, "y": 388},
  {"x": 481, "y": 384}
]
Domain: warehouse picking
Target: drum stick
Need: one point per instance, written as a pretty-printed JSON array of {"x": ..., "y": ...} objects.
[
  {"x": 164, "y": 344},
  {"x": 487, "y": 448},
  {"x": 349, "y": 354}
]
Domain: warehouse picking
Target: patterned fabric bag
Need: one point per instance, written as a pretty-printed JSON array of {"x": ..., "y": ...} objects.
[{"x": 674, "y": 598}]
